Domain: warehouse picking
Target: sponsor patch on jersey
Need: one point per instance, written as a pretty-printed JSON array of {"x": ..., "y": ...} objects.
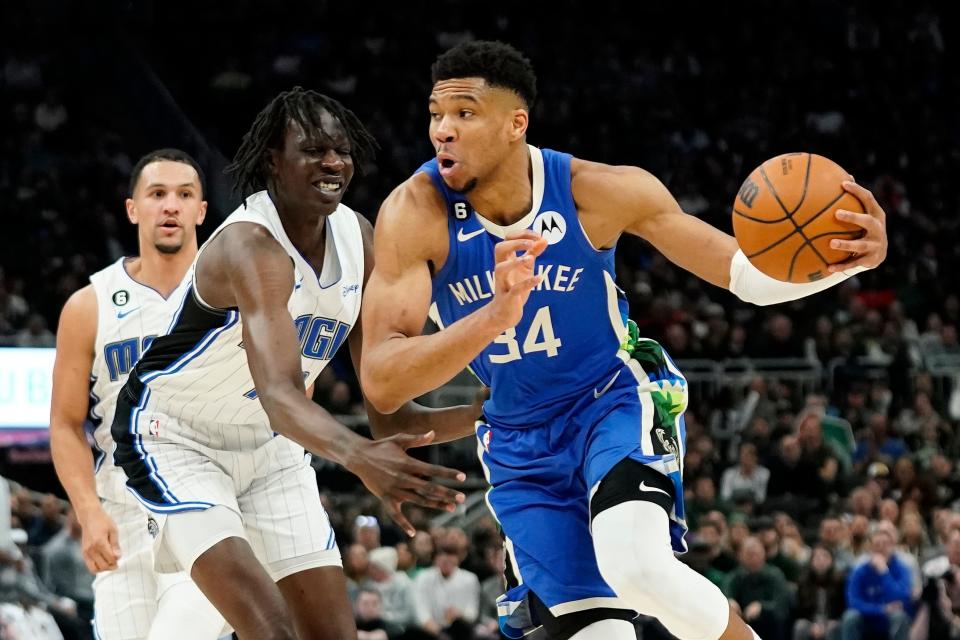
[
  {"x": 350, "y": 288},
  {"x": 121, "y": 297},
  {"x": 551, "y": 226}
]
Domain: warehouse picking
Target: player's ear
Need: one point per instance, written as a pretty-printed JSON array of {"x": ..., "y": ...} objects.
[
  {"x": 203, "y": 212},
  {"x": 131, "y": 211},
  {"x": 270, "y": 161},
  {"x": 519, "y": 124}
]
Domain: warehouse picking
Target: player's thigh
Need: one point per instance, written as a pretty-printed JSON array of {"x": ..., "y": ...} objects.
[
  {"x": 178, "y": 594},
  {"x": 318, "y": 600},
  {"x": 285, "y": 522},
  {"x": 125, "y": 599},
  {"x": 232, "y": 578},
  {"x": 541, "y": 502}
]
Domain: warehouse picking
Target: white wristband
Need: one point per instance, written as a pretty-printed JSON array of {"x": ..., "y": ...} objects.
[{"x": 752, "y": 285}]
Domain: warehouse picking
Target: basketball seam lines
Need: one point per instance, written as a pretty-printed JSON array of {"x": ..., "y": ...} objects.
[
  {"x": 812, "y": 218},
  {"x": 797, "y": 228},
  {"x": 760, "y": 220}
]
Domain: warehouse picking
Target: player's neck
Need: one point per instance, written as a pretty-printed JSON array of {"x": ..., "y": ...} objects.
[
  {"x": 161, "y": 271},
  {"x": 506, "y": 195},
  {"x": 304, "y": 226}
]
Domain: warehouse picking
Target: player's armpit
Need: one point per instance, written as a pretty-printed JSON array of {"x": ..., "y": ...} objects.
[{"x": 614, "y": 200}]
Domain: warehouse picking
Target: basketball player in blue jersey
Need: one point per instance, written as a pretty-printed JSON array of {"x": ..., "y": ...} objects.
[
  {"x": 273, "y": 294},
  {"x": 509, "y": 248},
  {"x": 103, "y": 329}
]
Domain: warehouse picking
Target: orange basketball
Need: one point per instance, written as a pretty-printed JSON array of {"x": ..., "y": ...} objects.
[{"x": 784, "y": 219}]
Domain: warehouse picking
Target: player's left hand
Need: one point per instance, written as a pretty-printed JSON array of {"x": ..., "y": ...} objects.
[{"x": 871, "y": 248}]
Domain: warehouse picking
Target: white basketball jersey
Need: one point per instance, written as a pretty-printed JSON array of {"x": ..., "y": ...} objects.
[
  {"x": 198, "y": 372},
  {"x": 129, "y": 316}
]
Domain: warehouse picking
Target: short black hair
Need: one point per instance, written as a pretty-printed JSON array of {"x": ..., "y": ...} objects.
[
  {"x": 249, "y": 166},
  {"x": 173, "y": 155},
  {"x": 500, "y": 64}
]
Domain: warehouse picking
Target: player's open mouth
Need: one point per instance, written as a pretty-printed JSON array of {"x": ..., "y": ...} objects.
[
  {"x": 447, "y": 166},
  {"x": 332, "y": 187},
  {"x": 170, "y": 224}
]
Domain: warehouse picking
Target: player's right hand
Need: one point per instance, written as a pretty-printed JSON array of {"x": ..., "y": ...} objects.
[
  {"x": 395, "y": 477},
  {"x": 100, "y": 541},
  {"x": 514, "y": 276}
]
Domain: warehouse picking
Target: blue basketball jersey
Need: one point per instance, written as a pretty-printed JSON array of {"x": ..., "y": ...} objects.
[{"x": 573, "y": 324}]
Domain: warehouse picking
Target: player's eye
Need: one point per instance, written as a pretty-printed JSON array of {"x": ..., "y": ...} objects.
[
  {"x": 344, "y": 152},
  {"x": 465, "y": 113},
  {"x": 186, "y": 194},
  {"x": 434, "y": 115},
  {"x": 159, "y": 194}
]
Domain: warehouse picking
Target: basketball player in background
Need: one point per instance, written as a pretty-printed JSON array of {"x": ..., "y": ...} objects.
[
  {"x": 273, "y": 294},
  {"x": 590, "y": 504},
  {"x": 104, "y": 327}
]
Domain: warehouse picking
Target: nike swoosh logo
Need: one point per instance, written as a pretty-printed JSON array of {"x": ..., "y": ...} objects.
[
  {"x": 645, "y": 487},
  {"x": 123, "y": 314},
  {"x": 606, "y": 387},
  {"x": 463, "y": 237}
]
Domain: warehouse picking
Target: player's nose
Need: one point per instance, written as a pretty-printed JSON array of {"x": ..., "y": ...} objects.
[
  {"x": 172, "y": 204},
  {"x": 445, "y": 131},
  {"x": 332, "y": 160}
]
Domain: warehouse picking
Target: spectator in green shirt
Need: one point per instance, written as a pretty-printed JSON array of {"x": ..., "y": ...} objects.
[{"x": 759, "y": 592}]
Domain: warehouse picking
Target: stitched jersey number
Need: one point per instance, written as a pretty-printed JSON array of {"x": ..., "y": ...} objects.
[{"x": 541, "y": 327}]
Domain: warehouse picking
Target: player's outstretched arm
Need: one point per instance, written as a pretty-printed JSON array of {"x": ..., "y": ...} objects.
[
  {"x": 615, "y": 200},
  {"x": 399, "y": 364},
  {"x": 259, "y": 277},
  {"x": 448, "y": 423},
  {"x": 72, "y": 458}
]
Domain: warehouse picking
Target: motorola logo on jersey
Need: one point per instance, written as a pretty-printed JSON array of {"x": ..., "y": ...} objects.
[{"x": 551, "y": 226}]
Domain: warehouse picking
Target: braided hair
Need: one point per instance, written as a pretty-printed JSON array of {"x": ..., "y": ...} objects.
[{"x": 249, "y": 166}]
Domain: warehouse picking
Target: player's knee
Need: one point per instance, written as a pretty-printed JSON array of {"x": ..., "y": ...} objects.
[{"x": 634, "y": 572}]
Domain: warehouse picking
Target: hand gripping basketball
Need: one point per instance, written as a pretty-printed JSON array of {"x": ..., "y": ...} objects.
[
  {"x": 514, "y": 277},
  {"x": 871, "y": 248}
]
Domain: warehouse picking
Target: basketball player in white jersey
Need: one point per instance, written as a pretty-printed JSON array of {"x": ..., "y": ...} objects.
[
  {"x": 274, "y": 293},
  {"x": 103, "y": 330}
]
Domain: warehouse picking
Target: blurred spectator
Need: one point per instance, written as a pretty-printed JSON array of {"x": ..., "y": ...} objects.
[
  {"x": 719, "y": 561},
  {"x": 45, "y": 525},
  {"x": 35, "y": 334},
  {"x": 765, "y": 530},
  {"x": 366, "y": 532},
  {"x": 759, "y": 593},
  {"x": 370, "y": 622},
  {"x": 878, "y": 593},
  {"x": 747, "y": 477},
  {"x": 491, "y": 589},
  {"x": 356, "y": 568},
  {"x": 64, "y": 570},
  {"x": 704, "y": 500},
  {"x": 793, "y": 481},
  {"x": 833, "y": 538},
  {"x": 398, "y": 604},
  {"x": 448, "y": 598},
  {"x": 820, "y": 598},
  {"x": 939, "y": 614},
  {"x": 423, "y": 550}
]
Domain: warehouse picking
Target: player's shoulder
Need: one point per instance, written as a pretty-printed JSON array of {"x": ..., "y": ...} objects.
[
  {"x": 416, "y": 199},
  {"x": 80, "y": 310},
  {"x": 247, "y": 236},
  {"x": 595, "y": 181},
  {"x": 587, "y": 173}
]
